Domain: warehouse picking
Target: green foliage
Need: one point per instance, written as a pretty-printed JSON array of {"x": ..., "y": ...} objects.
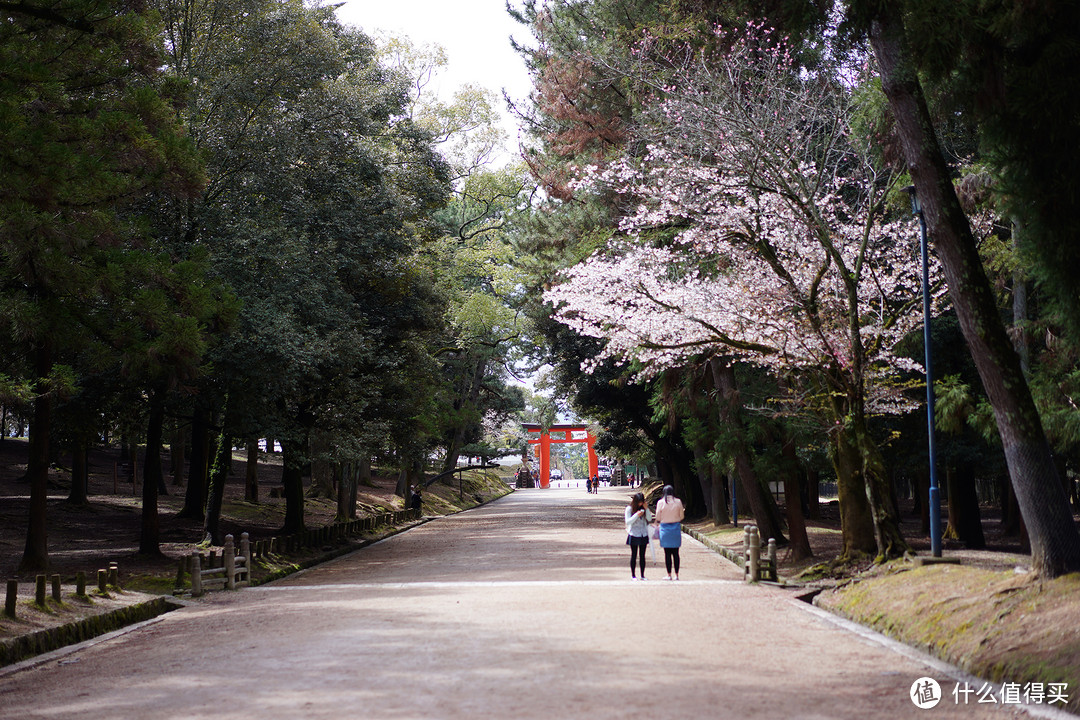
[
  {"x": 320, "y": 190},
  {"x": 1010, "y": 71},
  {"x": 84, "y": 133}
]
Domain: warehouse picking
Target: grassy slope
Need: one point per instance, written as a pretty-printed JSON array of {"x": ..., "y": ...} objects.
[{"x": 1001, "y": 626}]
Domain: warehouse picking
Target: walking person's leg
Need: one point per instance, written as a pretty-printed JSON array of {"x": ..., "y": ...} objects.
[
  {"x": 641, "y": 560},
  {"x": 675, "y": 561},
  {"x": 667, "y": 561}
]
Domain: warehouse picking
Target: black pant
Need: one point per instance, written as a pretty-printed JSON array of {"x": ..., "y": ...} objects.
[
  {"x": 637, "y": 552},
  {"x": 671, "y": 556}
]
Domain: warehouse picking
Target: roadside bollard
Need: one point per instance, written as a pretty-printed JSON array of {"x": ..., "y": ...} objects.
[
  {"x": 80, "y": 583},
  {"x": 103, "y": 581},
  {"x": 56, "y": 588},
  {"x": 181, "y": 568},
  {"x": 12, "y": 598},
  {"x": 114, "y": 575},
  {"x": 771, "y": 555},
  {"x": 755, "y": 555},
  {"x": 228, "y": 555},
  {"x": 39, "y": 589},
  {"x": 196, "y": 573}
]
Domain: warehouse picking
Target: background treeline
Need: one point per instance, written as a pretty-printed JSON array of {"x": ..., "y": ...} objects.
[{"x": 224, "y": 221}]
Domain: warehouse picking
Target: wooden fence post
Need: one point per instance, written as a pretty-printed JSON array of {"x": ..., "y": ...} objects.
[
  {"x": 745, "y": 546},
  {"x": 755, "y": 554},
  {"x": 196, "y": 573},
  {"x": 228, "y": 554},
  {"x": 56, "y": 588},
  {"x": 771, "y": 555},
  {"x": 12, "y": 598},
  {"x": 180, "y": 569}
]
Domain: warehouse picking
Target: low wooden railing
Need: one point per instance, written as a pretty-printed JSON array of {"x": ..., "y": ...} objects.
[
  {"x": 234, "y": 571},
  {"x": 214, "y": 573}
]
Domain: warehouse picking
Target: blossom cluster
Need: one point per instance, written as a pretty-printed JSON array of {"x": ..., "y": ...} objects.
[{"x": 753, "y": 230}]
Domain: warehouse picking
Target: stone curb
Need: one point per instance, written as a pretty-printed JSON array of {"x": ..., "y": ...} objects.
[
  {"x": 954, "y": 667},
  {"x": 714, "y": 546},
  {"x": 350, "y": 547},
  {"x": 47, "y": 640}
]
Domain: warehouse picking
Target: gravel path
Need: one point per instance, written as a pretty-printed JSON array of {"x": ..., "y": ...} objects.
[{"x": 521, "y": 609}]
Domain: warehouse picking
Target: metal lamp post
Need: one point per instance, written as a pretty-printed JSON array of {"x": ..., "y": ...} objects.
[{"x": 935, "y": 497}]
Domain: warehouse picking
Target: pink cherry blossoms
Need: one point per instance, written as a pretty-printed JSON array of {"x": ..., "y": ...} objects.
[{"x": 754, "y": 229}]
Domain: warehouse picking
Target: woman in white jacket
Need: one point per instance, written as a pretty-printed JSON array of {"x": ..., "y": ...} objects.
[{"x": 637, "y": 533}]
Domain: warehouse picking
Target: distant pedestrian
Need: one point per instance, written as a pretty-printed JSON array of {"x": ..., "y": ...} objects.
[
  {"x": 637, "y": 533},
  {"x": 415, "y": 500},
  {"x": 670, "y": 514}
]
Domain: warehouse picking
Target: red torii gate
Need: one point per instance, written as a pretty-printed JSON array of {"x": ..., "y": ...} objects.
[{"x": 541, "y": 441}]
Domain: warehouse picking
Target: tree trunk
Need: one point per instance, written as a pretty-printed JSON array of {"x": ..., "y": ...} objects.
[
  {"x": 762, "y": 505},
  {"x": 346, "y": 480},
  {"x": 1055, "y": 541},
  {"x": 80, "y": 475},
  {"x": 365, "y": 472},
  {"x": 150, "y": 534},
  {"x": 800, "y": 541},
  {"x": 292, "y": 482},
  {"x": 401, "y": 489},
  {"x": 411, "y": 473},
  {"x": 856, "y": 516},
  {"x": 813, "y": 494},
  {"x": 720, "y": 513},
  {"x": 921, "y": 491},
  {"x": 177, "y": 451},
  {"x": 36, "y": 552},
  {"x": 879, "y": 489},
  {"x": 322, "y": 472},
  {"x": 863, "y": 487},
  {"x": 357, "y": 476},
  {"x": 251, "y": 474},
  {"x": 1020, "y": 308},
  {"x": 704, "y": 475},
  {"x": 965, "y": 521},
  {"x": 219, "y": 473},
  {"x": 678, "y": 462},
  {"x": 194, "y": 497},
  {"x": 469, "y": 400}
]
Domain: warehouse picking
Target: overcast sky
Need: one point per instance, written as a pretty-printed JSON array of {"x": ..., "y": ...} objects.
[{"x": 475, "y": 34}]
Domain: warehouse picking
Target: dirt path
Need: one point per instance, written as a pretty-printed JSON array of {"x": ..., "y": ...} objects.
[{"x": 520, "y": 609}]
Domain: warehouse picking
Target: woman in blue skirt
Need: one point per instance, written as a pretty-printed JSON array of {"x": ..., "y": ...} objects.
[{"x": 670, "y": 513}]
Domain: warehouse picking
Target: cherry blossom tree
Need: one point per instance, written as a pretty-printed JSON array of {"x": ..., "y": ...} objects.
[{"x": 756, "y": 230}]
